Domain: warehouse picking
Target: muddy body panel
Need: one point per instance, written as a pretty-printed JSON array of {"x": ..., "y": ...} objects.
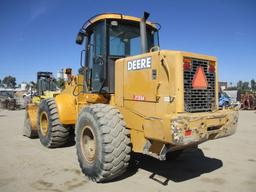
[
  {"x": 169, "y": 100},
  {"x": 196, "y": 128}
]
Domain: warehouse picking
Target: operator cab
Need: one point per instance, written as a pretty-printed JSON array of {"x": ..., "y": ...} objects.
[
  {"x": 45, "y": 82},
  {"x": 110, "y": 37}
]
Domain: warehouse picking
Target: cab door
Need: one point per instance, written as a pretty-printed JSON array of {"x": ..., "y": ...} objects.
[{"x": 96, "y": 62}]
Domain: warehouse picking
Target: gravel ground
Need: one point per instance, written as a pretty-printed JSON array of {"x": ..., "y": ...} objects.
[{"x": 227, "y": 164}]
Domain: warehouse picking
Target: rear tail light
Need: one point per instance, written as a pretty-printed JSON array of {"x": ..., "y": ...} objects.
[
  {"x": 188, "y": 132},
  {"x": 187, "y": 65},
  {"x": 211, "y": 67}
]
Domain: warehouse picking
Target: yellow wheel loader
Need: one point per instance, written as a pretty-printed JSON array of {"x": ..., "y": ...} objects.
[
  {"x": 133, "y": 97},
  {"x": 46, "y": 89}
]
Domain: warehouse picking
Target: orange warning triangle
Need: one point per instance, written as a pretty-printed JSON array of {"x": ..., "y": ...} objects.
[{"x": 199, "y": 81}]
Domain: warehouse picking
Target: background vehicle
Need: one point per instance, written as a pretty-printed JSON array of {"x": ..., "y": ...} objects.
[
  {"x": 224, "y": 100},
  {"x": 132, "y": 97},
  {"x": 46, "y": 88},
  {"x": 248, "y": 101},
  {"x": 7, "y": 100}
]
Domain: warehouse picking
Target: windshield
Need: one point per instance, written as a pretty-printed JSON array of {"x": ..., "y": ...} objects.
[{"x": 124, "y": 39}]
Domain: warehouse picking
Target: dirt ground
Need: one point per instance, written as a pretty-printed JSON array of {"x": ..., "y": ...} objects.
[{"x": 227, "y": 164}]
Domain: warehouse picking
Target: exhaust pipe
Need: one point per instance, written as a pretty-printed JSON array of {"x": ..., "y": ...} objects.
[{"x": 143, "y": 33}]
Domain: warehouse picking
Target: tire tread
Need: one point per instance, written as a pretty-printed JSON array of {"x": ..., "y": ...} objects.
[
  {"x": 115, "y": 140},
  {"x": 60, "y": 135}
]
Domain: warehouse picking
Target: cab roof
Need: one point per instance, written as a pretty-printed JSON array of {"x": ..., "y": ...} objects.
[{"x": 118, "y": 16}]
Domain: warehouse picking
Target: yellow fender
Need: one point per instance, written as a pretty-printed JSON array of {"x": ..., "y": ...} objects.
[
  {"x": 32, "y": 115},
  {"x": 66, "y": 106}
]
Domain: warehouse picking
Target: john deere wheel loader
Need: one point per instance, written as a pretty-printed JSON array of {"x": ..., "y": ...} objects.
[{"x": 133, "y": 97}]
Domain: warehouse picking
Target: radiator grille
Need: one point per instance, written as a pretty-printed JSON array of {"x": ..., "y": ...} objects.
[{"x": 199, "y": 100}]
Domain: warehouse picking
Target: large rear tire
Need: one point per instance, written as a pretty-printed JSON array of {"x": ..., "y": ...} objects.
[
  {"x": 102, "y": 142},
  {"x": 51, "y": 132}
]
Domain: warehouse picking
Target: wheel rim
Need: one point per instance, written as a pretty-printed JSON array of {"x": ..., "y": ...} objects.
[
  {"x": 44, "y": 123},
  {"x": 88, "y": 144}
]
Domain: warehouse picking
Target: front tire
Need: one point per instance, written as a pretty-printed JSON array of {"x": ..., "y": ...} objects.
[
  {"x": 102, "y": 142},
  {"x": 51, "y": 132}
]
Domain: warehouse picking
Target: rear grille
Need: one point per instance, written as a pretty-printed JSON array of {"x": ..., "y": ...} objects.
[{"x": 199, "y": 100}]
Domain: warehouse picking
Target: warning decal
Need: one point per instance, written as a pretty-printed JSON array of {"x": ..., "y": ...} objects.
[{"x": 199, "y": 80}]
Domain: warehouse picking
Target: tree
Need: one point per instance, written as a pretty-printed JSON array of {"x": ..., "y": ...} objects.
[
  {"x": 253, "y": 85},
  {"x": 240, "y": 84},
  {"x": 27, "y": 87},
  {"x": 9, "y": 81},
  {"x": 0, "y": 82},
  {"x": 245, "y": 86}
]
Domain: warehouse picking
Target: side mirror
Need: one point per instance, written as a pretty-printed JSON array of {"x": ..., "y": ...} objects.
[{"x": 79, "y": 38}]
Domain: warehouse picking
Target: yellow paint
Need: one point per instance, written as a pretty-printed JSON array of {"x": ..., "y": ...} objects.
[
  {"x": 44, "y": 122},
  {"x": 32, "y": 115},
  {"x": 46, "y": 95},
  {"x": 117, "y": 17},
  {"x": 138, "y": 140},
  {"x": 33, "y": 107},
  {"x": 152, "y": 117},
  {"x": 153, "y": 109},
  {"x": 66, "y": 106},
  {"x": 72, "y": 99}
]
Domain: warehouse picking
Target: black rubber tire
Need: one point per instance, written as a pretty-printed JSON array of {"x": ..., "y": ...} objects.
[
  {"x": 57, "y": 135},
  {"x": 27, "y": 130},
  {"x": 112, "y": 142},
  {"x": 174, "y": 155}
]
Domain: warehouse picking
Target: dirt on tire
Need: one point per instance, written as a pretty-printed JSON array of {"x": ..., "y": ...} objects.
[
  {"x": 112, "y": 142},
  {"x": 57, "y": 134}
]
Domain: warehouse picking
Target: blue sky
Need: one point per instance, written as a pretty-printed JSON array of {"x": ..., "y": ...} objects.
[{"x": 40, "y": 34}]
